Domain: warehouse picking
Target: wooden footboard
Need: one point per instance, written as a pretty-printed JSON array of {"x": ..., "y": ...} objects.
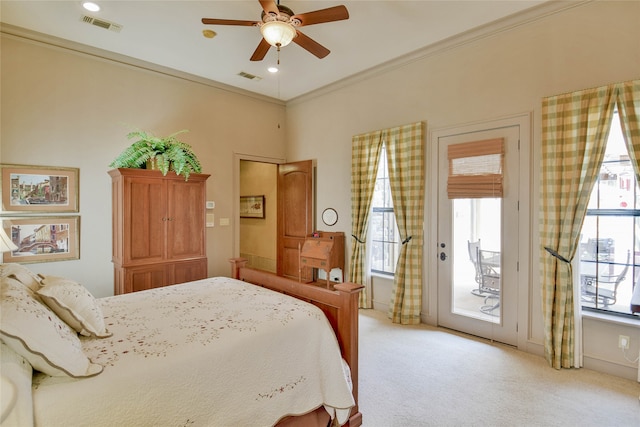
[{"x": 339, "y": 305}]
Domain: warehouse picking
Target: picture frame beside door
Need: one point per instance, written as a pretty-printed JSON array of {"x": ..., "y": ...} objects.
[{"x": 252, "y": 207}]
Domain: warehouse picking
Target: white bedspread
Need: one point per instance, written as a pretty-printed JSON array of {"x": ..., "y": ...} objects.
[{"x": 215, "y": 352}]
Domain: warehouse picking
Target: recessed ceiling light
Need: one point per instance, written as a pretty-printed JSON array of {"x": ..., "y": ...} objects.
[
  {"x": 272, "y": 69},
  {"x": 91, "y": 6}
]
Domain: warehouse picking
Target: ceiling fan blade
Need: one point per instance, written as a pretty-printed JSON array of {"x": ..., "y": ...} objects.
[
  {"x": 311, "y": 45},
  {"x": 260, "y": 51},
  {"x": 269, "y": 6},
  {"x": 213, "y": 21},
  {"x": 336, "y": 13}
]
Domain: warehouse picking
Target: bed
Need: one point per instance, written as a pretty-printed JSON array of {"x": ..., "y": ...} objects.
[{"x": 219, "y": 351}]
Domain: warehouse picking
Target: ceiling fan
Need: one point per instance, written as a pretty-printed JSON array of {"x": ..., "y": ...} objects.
[{"x": 279, "y": 27}]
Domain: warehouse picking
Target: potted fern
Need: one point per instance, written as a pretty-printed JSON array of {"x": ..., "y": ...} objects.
[{"x": 164, "y": 154}]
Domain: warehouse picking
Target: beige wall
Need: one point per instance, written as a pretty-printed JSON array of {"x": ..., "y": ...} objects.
[
  {"x": 258, "y": 237},
  {"x": 502, "y": 74},
  {"x": 71, "y": 109},
  {"x": 61, "y": 108}
]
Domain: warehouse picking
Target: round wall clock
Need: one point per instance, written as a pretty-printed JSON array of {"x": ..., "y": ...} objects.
[{"x": 329, "y": 216}]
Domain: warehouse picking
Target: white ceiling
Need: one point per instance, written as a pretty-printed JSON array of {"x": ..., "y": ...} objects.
[{"x": 169, "y": 33}]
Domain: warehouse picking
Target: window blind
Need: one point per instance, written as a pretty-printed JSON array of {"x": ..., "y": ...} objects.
[{"x": 475, "y": 169}]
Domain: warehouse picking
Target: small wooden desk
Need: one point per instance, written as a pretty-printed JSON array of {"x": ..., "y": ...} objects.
[{"x": 323, "y": 250}]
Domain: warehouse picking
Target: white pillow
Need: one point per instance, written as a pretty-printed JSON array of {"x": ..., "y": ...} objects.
[
  {"x": 33, "y": 331},
  {"x": 74, "y": 304},
  {"x": 17, "y": 403},
  {"x": 22, "y": 274}
]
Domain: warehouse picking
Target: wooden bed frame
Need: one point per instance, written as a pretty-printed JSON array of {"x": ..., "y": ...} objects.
[{"x": 341, "y": 308}]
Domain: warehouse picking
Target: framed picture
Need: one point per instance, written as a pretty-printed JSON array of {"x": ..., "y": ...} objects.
[
  {"x": 29, "y": 189},
  {"x": 41, "y": 239},
  {"x": 251, "y": 206}
]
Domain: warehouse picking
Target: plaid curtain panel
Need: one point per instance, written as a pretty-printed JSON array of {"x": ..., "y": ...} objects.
[
  {"x": 365, "y": 154},
  {"x": 628, "y": 96},
  {"x": 405, "y": 157},
  {"x": 575, "y": 127}
]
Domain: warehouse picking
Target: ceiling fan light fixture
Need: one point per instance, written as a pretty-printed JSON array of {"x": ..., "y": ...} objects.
[{"x": 278, "y": 33}]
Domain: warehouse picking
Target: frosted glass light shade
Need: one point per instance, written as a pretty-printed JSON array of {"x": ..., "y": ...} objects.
[{"x": 277, "y": 33}]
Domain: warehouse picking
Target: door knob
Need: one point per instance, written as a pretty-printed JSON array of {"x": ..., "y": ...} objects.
[{"x": 443, "y": 256}]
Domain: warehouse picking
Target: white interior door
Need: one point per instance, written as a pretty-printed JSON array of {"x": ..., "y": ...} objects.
[{"x": 480, "y": 302}]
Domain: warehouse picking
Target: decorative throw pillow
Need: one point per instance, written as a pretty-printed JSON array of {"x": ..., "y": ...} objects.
[
  {"x": 22, "y": 274},
  {"x": 74, "y": 304},
  {"x": 33, "y": 331}
]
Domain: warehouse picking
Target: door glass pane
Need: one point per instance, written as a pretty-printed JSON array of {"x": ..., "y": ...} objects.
[{"x": 477, "y": 258}]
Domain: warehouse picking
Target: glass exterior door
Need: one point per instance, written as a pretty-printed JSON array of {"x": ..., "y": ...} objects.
[{"x": 478, "y": 247}]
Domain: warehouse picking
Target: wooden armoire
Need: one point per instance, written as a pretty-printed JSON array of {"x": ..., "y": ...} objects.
[{"x": 158, "y": 229}]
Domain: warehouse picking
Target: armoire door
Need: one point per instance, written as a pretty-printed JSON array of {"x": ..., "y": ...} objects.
[
  {"x": 185, "y": 219},
  {"x": 295, "y": 216},
  {"x": 144, "y": 233}
]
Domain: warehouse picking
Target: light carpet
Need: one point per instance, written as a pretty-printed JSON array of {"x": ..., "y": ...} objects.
[{"x": 426, "y": 376}]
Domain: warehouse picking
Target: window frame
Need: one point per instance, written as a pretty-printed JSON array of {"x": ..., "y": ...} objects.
[
  {"x": 633, "y": 268},
  {"x": 382, "y": 210},
  {"x": 609, "y": 212}
]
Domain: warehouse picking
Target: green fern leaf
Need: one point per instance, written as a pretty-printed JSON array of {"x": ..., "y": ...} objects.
[{"x": 167, "y": 153}]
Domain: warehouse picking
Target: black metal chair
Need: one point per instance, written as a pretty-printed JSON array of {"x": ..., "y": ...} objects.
[
  {"x": 473, "y": 256},
  {"x": 602, "y": 289},
  {"x": 489, "y": 262}
]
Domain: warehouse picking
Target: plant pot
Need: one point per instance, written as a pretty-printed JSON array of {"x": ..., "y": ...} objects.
[{"x": 152, "y": 164}]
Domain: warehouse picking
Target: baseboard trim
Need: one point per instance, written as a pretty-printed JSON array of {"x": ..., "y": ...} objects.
[{"x": 617, "y": 370}]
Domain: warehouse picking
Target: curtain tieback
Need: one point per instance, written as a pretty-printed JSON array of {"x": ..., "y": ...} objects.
[
  {"x": 557, "y": 255},
  {"x": 405, "y": 241},
  {"x": 358, "y": 240}
]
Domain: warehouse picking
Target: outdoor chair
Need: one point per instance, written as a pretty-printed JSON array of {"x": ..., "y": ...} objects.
[
  {"x": 601, "y": 289},
  {"x": 489, "y": 263}
]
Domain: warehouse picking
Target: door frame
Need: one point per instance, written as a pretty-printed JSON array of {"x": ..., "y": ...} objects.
[
  {"x": 237, "y": 157},
  {"x": 525, "y": 240}
]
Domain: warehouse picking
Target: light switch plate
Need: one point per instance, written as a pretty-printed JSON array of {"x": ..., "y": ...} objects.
[{"x": 211, "y": 220}]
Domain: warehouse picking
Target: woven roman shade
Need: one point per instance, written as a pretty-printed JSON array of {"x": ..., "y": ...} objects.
[{"x": 475, "y": 169}]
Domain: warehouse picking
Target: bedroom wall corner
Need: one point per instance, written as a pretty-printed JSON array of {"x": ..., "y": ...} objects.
[{"x": 63, "y": 107}]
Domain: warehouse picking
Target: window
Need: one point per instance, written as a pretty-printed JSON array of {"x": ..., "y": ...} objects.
[
  {"x": 609, "y": 245},
  {"x": 383, "y": 232}
]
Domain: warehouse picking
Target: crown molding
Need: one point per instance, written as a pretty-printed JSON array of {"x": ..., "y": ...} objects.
[
  {"x": 479, "y": 33},
  {"x": 35, "y": 37}
]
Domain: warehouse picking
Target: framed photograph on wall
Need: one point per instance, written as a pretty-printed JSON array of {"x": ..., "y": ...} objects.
[
  {"x": 252, "y": 207},
  {"x": 43, "y": 238},
  {"x": 36, "y": 189}
]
